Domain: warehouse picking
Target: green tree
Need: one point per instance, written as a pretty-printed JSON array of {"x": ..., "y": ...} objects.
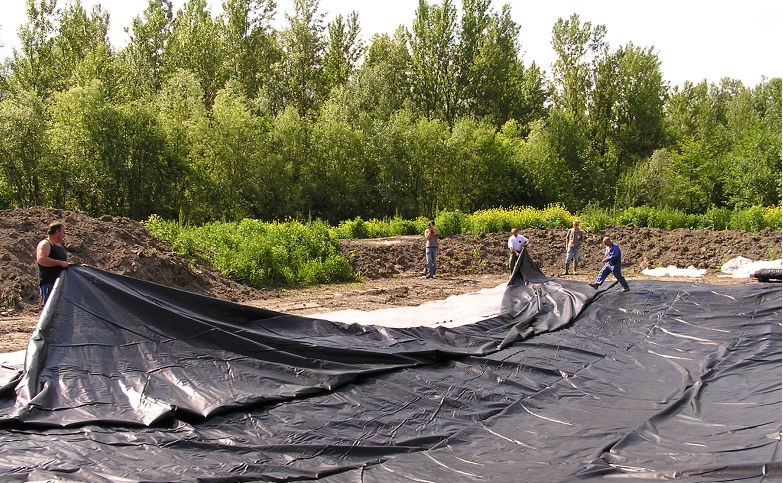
[
  {"x": 382, "y": 84},
  {"x": 82, "y": 49},
  {"x": 195, "y": 45},
  {"x": 112, "y": 158},
  {"x": 31, "y": 66},
  {"x": 337, "y": 166},
  {"x": 412, "y": 160},
  {"x": 144, "y": 56},
  {"x": 698, "y": 111},
  {"x": 302, "y": 82},
  {"x": 579, "y": 47},
  {"x": 233, "y": 154},
  {"x": 479, "y": 171},
  {"x": 626, "y": 113},
  {"x": 23, "y": 153},
  {"x": 183, "y": 120},
  {"x": 473, "y": 29},
  {"x": 344, "y": 50},
  {"x": 546, "y": 173},
  {"x": 753, "y": 175},
  {"x": 696, "y": 177},
  {"x": 290, "y": 150},
  {"x": 433, "y": 60},
  {"x": 648, "y": 182},
  {"x": 148, "y": 174},
  {"x": 249, "y": 43},
  {"x": 500, "y": 87}
]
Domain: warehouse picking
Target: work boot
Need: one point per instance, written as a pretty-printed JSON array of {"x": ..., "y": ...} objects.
[{"x": 575, "y": 266}]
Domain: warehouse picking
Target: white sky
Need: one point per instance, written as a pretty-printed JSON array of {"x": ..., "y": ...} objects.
[{"x": 694, "y": 39}]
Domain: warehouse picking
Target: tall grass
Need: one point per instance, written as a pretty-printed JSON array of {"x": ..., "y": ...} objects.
[
  {"x": 293, "y": 253},
  {"x": 593, "y": 218},
  {"x": 752, "y": 219},
  {"x": 260, "y": 254},
  {"x": 359, "y": 228},
  {"x": 455, "y": 222}
]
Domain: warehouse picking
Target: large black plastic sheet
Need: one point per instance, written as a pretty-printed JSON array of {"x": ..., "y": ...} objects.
[{"x": 131, "y": 381}]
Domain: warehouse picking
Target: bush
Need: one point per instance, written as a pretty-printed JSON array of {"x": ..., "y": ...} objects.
[
  {"x": 355, "y": 228},
  {"x": 716, "y": 219},
  {"x": 772, "y": 217},
  {"x": 490, "y": 221},
  {"x": 749, "y": 219},
  {"x": 258, "y": 253},
  {"x": 596, "y": 219},
  {"x": 451, "y": 222},
  {"x": 557, "y": 216},
  {"x": 637, "y": 216},
  {"x": 669, "y": 219},
  {"x": 502, "y": 220},
  {"x": 398, "y": 226}
]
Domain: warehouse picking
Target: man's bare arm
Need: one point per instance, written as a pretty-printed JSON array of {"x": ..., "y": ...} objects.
[{"x": 42, "y": 252}]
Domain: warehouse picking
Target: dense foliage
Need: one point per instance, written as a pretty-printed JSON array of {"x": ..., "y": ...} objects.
[
  {"x": 202, "y": 117},
  {"x": 294, "y": 253},
  {"x": 258, "y": 253}
]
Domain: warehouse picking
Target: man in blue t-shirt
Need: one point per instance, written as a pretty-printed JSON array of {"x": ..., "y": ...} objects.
[{"x": 612, "y": 264}]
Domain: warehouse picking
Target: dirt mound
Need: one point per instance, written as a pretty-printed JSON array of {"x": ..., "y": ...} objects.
[
  {"x": 118, "y": 245},
  {"x": 488, "y": 253}
]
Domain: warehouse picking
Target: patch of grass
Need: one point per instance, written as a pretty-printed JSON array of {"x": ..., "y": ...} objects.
[{"x": 258, "y": 253}]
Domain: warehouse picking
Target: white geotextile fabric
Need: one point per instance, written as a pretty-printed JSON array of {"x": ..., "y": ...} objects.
[
  {"x": 672, "y": 271},
  {"x": 451, "y": 312},
  {"x": 12, "y": 359},
  {"x": 741, "y": 267}
]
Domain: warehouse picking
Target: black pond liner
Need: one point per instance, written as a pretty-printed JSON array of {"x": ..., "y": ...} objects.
[
  {"x": 127, "y": 380},
  {"x": 768, "y": 275}
]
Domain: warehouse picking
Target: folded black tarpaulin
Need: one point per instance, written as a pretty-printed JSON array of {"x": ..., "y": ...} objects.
[{"x": 127, "y": 380}]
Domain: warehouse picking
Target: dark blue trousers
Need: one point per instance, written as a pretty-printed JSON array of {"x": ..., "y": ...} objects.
[{"x": 616, "y": 270}]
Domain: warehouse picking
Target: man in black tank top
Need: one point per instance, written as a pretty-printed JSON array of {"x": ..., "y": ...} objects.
[{"x": 51, "y": 258}]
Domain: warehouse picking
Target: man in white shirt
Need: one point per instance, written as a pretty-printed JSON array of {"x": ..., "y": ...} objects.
[{"x": 516, "y": 243}]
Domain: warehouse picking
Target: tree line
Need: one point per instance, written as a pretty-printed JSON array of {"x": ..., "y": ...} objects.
[{"x": 202, "y": 117}]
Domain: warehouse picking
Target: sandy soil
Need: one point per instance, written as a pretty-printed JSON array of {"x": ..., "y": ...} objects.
[{"x": 391, "y": 268}]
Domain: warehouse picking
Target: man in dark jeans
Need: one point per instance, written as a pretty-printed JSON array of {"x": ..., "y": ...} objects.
[
  {"x": 431, "y": 235},
  {"x": 51, "y": 258},
  {"x": 612, "y": 264}
]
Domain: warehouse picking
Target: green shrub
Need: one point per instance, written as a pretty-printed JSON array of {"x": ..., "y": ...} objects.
[
  {"x": 490, "y": 221},
  {"x": 398, "y": 226},
  {"x": 716, "y": 219},
  {"x": 355, "y": 228},
  {"x": 636, "y": 216},
  {"x": 750, "y": 219},
  {"x": 451, "y": 222},
  {"x": 260, "y": 254},
  {"x": 670, "y": 219},
  {"x": 557, "y": 216},
  {"x": 772, "y": 217},
  {"x": 596, "y": 219}
]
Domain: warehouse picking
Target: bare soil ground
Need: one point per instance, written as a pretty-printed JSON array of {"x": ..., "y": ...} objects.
[{"x": 391, "y": 268}]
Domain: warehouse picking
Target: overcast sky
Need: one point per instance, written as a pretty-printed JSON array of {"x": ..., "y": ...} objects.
[{"x": 694, "y": 39}]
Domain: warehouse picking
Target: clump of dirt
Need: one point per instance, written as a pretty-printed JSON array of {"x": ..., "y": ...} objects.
[
  {"x": 119, "y": 245},
  {"x": 488, "y": 253}
]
